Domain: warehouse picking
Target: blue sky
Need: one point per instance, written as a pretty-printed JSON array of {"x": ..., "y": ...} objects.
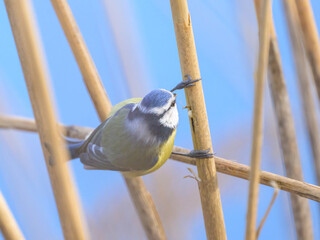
[{"x": 139, "y": 36}]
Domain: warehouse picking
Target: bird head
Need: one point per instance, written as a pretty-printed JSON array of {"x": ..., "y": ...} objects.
[{"x": 161, "y": 104}]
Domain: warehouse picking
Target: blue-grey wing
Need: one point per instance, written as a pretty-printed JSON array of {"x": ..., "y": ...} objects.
[
  {"x": 97, "y": 134},
  {"x": 95, "y": 158}
]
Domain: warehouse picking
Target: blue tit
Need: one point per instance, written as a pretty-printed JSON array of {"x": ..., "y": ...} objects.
[{"x": 136, "y": 139}]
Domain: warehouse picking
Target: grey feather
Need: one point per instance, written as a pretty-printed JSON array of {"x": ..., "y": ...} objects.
[
  {"x": 74, "y": 149},
  {"x": 95, "y": 158}
]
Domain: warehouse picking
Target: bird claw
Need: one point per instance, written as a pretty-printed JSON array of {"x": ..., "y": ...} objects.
[
  {"x": 197, "y": 154},
  {"x": 200, "y": 154},
  {"x": 186, "y": 83}
]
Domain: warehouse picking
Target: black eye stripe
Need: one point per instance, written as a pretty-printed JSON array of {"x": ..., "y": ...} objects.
[{"x": 173, "y": 103}]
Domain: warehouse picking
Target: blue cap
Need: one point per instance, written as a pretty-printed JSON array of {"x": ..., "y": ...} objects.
[{"x": 156, "y": 99}]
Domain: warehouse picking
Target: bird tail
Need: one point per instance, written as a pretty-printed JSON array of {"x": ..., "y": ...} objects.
[{"x": 74, "y": 148}]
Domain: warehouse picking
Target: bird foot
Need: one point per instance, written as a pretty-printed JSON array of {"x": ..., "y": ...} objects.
[
  {"x": 197, "y": 154},
  {"x": 186, "y": 83}
]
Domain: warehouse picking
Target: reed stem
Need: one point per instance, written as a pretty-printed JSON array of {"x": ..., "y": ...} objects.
[
  {"x": 29, "y": 48},
  {"x": 208, "y": 185},
  {"x": 287, "y": 134},
  {"x": 145, "y": 207},
  {"x": 8, "y": 225},
  {"x": 224, "y": 166},
  {"x": 264, "y": 43},
  {"x": 310, "y": 38}
]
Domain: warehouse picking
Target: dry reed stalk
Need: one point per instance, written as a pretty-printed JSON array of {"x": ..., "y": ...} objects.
[
  {"x": 208, "y": 185},
  {"x": 32, "y": 61},
  {"x": 8, "y": 225},
  {"x": 288, "y": 141},
  {"x": 304, "y": 82},
  {"x": 143, "y": 202},
  {"x": 310, "y": 39},
  {"x": 29, "y": 125},
  {"x": 224, "y": 166},
  {"x": 82, "y": 56},
  {"x": 305, "y": 86},
  {"x": 239, "y": 170},
  {"x": 273, "y": 199},
  {"x": 289, "y": 147},
  {"x": 264, "y": 43}
]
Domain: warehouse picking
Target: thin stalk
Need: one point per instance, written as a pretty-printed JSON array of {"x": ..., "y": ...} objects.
[
  {"x": 224, "y": 166},
  {"x": 145, "y": 207},
  {"x": 305, "y": 86},
  {"x": 304, "y": 82},
  {"x": 310, "y": 39},
  {"x": 273, "y": 199},
  {"x": 83, "y": 57},
  {"x": 208, "y": 185},
  {"x": 8, "y": 225},
  {"x": 264, "y": 43},
  {"x": 287, "y": 134},
  {"x": 33, "y": 65},
  {"x": 238, "y": 170}
]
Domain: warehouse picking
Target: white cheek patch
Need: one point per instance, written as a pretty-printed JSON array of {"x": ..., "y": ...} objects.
[{"x": 171, "y": 118}]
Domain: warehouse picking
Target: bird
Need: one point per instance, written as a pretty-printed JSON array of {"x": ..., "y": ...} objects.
[{"x": 137, "y": 138}]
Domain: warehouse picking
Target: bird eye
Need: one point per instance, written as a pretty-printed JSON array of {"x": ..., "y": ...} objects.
[{"x": 173, "y": 103}]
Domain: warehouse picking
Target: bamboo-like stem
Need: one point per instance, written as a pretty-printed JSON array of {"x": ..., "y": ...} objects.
[
  {"x": 304, "y": 82},
  {"x": 145, "y": 207},
  {"x": 235, "y": 169},
  {"x": 310, "y": 39},
  {"x": 288, "y": 141},
  {"x": 82, "y": 56},
  {"x": 208, "y": 185},
  {"x": 224, "y": 166},
  {"x": 8, "y": 225},
  {"x": 148, "y": 215},
  {"x": 33, "y": 65},
  {"x": 300, "y": 206},
  {"x": 264, "y": 43},
  {"x": 305, "y": 86}
]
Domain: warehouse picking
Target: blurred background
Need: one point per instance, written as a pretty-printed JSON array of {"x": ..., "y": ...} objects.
[{"x": 134, "y": 48}]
